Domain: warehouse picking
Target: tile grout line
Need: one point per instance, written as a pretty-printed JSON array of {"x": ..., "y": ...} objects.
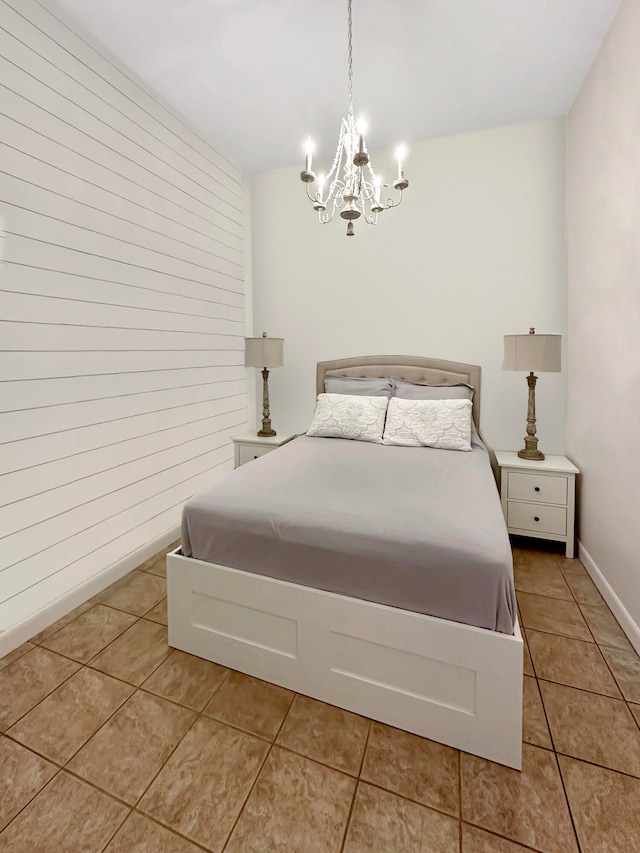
[
  {"x": 555, "y": 753},
  {"x": 257, "y": 776},
  {"x": 495, "y": 834},
  {"x": 566, "y": 796},
  {"x": 613, "y": 675},
  {"x": 355, "y": 787},
  {"x": 116, "y": 830}
]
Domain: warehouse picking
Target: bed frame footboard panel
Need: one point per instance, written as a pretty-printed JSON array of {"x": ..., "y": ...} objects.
[{"x": 453, "y": 683}]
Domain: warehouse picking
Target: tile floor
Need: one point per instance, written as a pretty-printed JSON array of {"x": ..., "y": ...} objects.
[{"x": 111, "y": 741}]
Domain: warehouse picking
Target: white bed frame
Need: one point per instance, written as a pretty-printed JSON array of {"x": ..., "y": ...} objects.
[{"x": 454, "y": 683}]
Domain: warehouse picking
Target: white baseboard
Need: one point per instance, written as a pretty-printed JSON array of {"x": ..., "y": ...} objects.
[
  {"x": 627, "y": 623},
  {"x": 18, "y": 634}
]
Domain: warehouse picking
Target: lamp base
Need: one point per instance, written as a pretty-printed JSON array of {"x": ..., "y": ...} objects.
[
  {"x": 526, "y": 454},
  {"x": 267, "y": 433},
  {"x": 530, "y": 449}
]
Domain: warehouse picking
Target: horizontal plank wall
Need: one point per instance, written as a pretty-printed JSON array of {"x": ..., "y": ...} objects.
[{"x": 122, "y": 315}]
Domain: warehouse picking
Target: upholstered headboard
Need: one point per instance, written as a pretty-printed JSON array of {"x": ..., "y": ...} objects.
[{"x": 414, "y": 368}]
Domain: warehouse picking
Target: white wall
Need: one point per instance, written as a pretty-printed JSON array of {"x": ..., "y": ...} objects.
[
  {"x": 603, "y": 197},
  {"x": 475, "y": 251},
  {"x": 122, "y": 316}
]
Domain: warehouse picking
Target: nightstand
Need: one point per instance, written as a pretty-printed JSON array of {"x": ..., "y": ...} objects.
[
  {"x": 248, "y": 447},
  {"x": 539, "y": 498}
]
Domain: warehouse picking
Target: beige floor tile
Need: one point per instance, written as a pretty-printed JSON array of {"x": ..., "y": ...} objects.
[
  {"x": 89, "y": 633},
  {"x": 571, "y": 662},
  {"x": 135, "y": 593},
  {"x": 15, "y": 655},
  {"x": 413, "y": 767},
  {"x": 138, "y": 834},
  {"x": 22, "y": 775},
  {"x": 553, "y": 615},
  {"x": 28, "y": 680},
  {"x": 186, "y": 679},
  {"x": 325, "y": 733},
  {"x": 625, "y": 666},
  {"x": 128, "y": 751},
  {"x": 203, "y": 786},
  {"x": 158, "y": 568},
  {"x": 476, "y": 840},
  {"x": 592, "y": 727},
  {"x": 529, "y": 557},
  {"x": 605, "y": 807},
  {"x": 68, "y": 816},
  {"x": 250, "y": 704},
  {"x": 66, "y": 719},
  {"x": 571, "y": 566},
  {"x": 604, "y": 627},
  {"x": 584, "y": 590},
  {"x": 158, "y": 613},
  {"x": 635, "y": 710},
  {"x": 136, "y": 653},
  {"x": 541, "y": 579},
  {"x": 296, "y": 805},
  {"x": 60, "y": 623},
  {"x": 534, "y": 723},
  {"x": 155, "y": 558},
  {"x": 527, "y": 663},
  {"x": 526, "y": 806},
  {"x": 383, "y": 821}
]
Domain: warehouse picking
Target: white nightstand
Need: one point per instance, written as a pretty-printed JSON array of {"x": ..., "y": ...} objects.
[
  {"x": 539, "y": 498},
  {"x": 248, "y": 447}
]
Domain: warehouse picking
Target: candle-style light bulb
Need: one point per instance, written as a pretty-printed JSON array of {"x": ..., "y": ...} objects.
[
  {"x": 321, "y": 181},
  {"x": 361, "y": 127},
  {"x": 309, "y": 151},
  {"x": 400, "y": 154},
  {"x": 376, "y": 189}
]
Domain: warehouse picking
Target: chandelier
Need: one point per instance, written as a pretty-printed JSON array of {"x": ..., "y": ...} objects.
[{"x": 347, "y": 187}]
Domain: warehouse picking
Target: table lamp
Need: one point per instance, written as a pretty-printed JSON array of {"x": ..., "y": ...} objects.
[
  {"x": 264, "y": 352},
  {"x": 532, "y": 352}
]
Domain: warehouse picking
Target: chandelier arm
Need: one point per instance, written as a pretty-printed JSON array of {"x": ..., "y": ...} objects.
[{"x": 391, "y": 203}]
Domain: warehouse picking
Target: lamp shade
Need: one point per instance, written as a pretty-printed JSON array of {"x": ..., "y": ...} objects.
[
  {"x": 532, "y": 352},
  {"x": 263, "y": 352}
]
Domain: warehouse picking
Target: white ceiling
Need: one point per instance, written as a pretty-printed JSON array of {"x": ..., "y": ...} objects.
[{"x": 259, "y": 76}]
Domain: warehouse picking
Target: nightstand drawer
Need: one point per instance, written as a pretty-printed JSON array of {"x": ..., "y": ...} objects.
[
  {"x": 535, "y": 487},
  {"x": 540, "y": 519},
  {"x": 249, "y": 452}
]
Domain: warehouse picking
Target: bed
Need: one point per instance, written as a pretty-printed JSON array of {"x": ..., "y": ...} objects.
[{"x": 397, "y": 604}]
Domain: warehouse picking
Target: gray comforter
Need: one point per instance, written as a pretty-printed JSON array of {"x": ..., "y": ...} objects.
[{"x": 415, "y": 528}]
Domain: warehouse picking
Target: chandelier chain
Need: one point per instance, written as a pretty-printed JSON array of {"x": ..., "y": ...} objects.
[{"x": 350, "y": 33}]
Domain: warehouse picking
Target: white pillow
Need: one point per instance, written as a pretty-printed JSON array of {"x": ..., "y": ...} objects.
[
  {"x": 349, "y": 416},
  {"x": 429, "y": 423}
]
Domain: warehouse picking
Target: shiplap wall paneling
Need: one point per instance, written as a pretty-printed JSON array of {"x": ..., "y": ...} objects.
[{"x": 122, "y": 313}]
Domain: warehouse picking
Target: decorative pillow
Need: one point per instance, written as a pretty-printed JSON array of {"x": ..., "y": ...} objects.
[
  {"x": 429, "y": 423},
  {"x": 358, "y": 386},
  {"x": 349, "y": 416},
  {"x": 417, "y": 391}
]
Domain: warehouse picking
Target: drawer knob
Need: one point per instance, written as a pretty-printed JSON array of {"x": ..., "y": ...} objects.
[
  {"x": 536, "y": 518},
  {"x": 537, "y": 489}
]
